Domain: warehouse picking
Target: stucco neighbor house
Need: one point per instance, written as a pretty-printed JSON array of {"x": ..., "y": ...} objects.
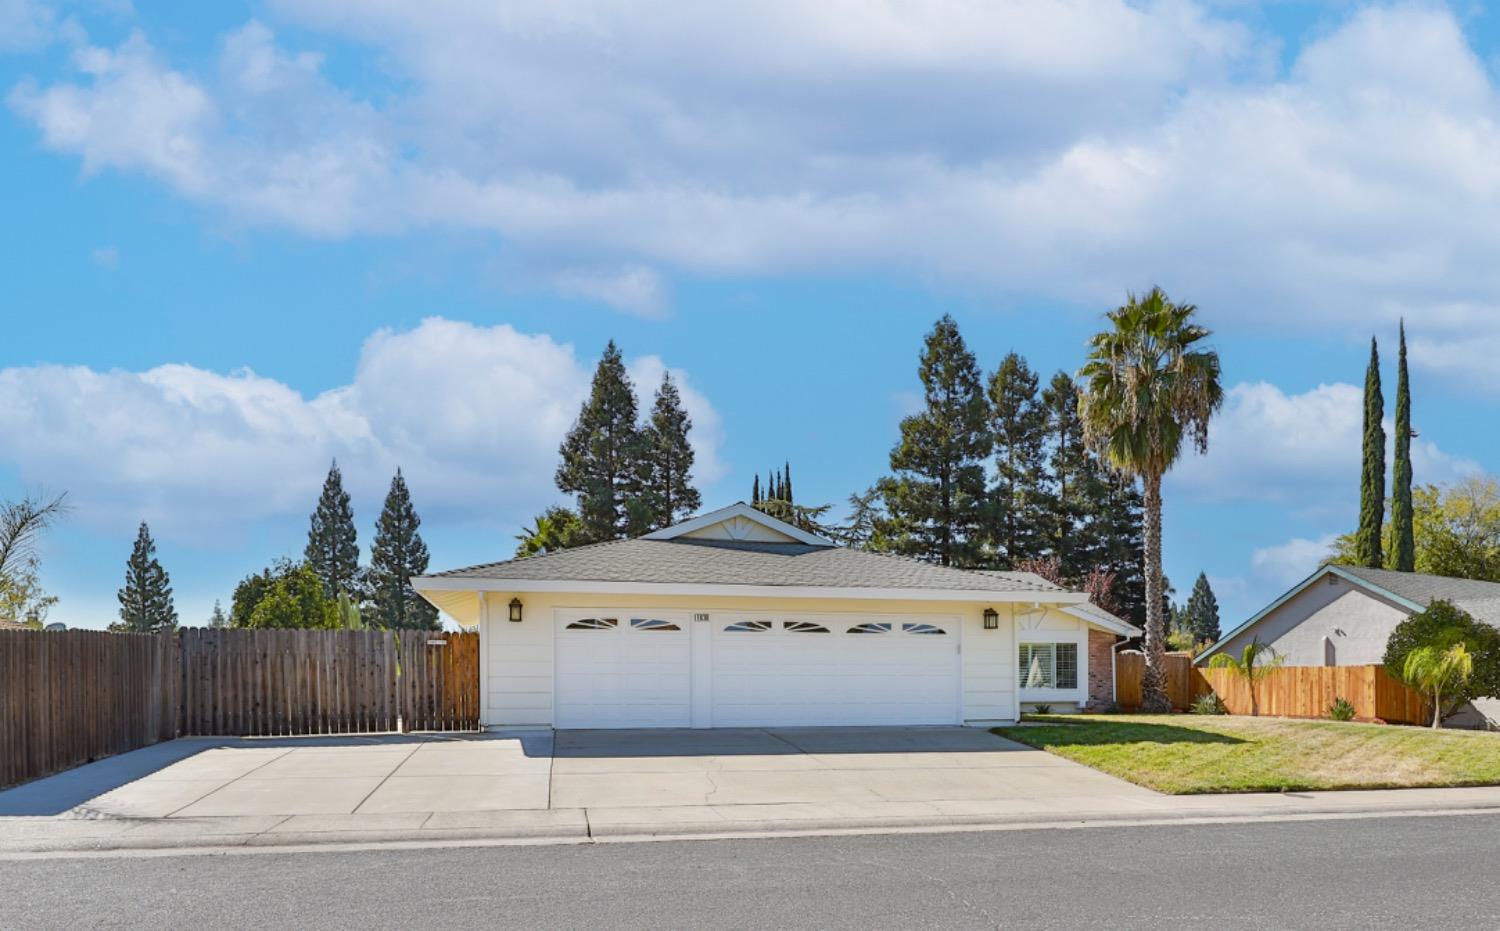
[
  {"x": 735, "y": 618},
  {"x": 1343, "y": 616}
]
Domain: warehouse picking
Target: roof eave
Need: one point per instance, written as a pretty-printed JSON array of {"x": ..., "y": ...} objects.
[
  {"x": 1105, "y": 622},
  {"x": 708, "y": 590}
]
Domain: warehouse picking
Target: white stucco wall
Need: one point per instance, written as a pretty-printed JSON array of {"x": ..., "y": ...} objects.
[
  {"x": 517, "y": 660},
  {"x": 1355, "y": 622}
]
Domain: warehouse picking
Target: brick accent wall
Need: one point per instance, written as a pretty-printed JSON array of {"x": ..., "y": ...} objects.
[{"x": 1101, "y": 668}]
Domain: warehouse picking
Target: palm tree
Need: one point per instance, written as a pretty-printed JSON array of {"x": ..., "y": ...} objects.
[
  {"x": 1256, "y": 662},
  {"x": 1146, "y": 389},
  {"x": 1437, "y": 672}
]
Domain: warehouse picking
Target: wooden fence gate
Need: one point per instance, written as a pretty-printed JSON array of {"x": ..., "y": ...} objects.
[{"x": 252, "y": 683}]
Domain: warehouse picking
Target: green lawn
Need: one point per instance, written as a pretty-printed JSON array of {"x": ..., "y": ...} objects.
[{"x": 1188, "y": 754}]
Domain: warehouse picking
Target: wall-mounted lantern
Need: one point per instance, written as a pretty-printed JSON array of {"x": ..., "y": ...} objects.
[
  {"x": 991, "y": 619},
  {"x": 515, "y": 610}
]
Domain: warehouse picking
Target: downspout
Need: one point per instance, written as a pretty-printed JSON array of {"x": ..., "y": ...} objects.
[{"x": 1114, "y": 670}]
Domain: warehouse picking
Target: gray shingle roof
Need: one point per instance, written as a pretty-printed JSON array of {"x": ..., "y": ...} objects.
[
  {"x": 719, "y": 562},
  {"x": 1481, "y": 599}
]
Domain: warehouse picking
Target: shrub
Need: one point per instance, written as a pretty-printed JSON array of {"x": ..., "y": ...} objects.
[
  {"x": 1342, "y": 709},
  {"x": 1043, "y": 709},
  {"x": 1441, "y": 626},
  {"x": 1208, "y": 704}
]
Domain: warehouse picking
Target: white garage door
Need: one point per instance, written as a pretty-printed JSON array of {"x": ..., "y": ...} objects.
[
  {"x": 786, "y": 669},
  {"x": 619, "y": 668}
]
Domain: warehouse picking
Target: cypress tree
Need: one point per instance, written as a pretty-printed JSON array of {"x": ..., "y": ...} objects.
[
  {"x": 755, "y": 490},
  {"x": 667, "y": 463},
  {"x": 1372, "y": 477},
  {"x": 146, "y": 600},
  {"x": 786, "y": 484},
  {"x": 1201, "y": 615},
  {"x": 1404, "y": 557},
  {"x": 332, "y": 542},
  {"x": 1019, "y": 425},
  {"x": 935, "y": 500},
  {"x": 398, "y": 554},
  {"x": 601, "y": 454}
]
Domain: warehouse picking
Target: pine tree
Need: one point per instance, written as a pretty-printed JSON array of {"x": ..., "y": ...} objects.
[
  {"x": 398, "y": 554},
  {"x": 1403, "y": 542},
  {"x": 786, "y": 483},
  {"x": 1019, "y": 424},
  {"x": 1071, "y": 475},
  {"x": 1115, "y": 532},
  {"x": 1201, "y": 614},
  {"x": 935, "y": 499},
  {"x": 602, "y": 452},
  {"x": 218, "y": 618},
  {"x": 666, "y": 480},
  {"x": 755, "y": 491},
  {"x": 146, "y": 600},
  {"x": 332, "y": 542},
  {"x": 1372, "y": 478}
]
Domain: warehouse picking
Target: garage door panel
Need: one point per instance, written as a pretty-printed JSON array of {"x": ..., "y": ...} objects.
[
  {"x": 900, "y": 672},
  {"x": 622, "y": 669}
]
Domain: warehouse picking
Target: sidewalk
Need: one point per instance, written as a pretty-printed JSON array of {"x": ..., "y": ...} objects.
[{"x": 24, "y": 837}]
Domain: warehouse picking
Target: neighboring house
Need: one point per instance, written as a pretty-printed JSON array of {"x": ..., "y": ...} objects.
[
  {"x": 738, "y": 619},
  {"x": 1343, "y": 616}
]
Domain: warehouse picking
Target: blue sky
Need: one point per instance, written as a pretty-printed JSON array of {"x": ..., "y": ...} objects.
[{"x": 246, "y": 238}]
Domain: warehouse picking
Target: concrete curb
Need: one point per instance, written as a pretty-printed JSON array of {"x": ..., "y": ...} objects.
[{"x": 143, "y": 839}]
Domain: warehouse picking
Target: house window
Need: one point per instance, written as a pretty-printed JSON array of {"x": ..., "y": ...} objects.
[
  {"x": 652, "y": 623},
  {"x": 1049, "y": 665},
  {"x": 929, "y": 629},
  {"x": 873, "y": 627},
  {"x": 748, "y": 627},
  {"x": 803, "y": 627},
  {"x": 593, "y": 623}
]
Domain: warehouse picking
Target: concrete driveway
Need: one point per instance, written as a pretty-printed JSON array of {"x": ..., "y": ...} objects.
[{"x": 591, "y": 783}]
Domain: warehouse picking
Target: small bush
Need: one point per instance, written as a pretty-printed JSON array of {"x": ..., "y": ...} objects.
[
  {"x": 1342, "y": 709},
  {"x": 1043, "y": 709},
  {"x": 1208, "y": 704}
]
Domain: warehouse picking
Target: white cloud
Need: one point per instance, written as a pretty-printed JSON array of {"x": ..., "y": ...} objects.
[
  {"x": 1304, "y": 449},
  {"x": 26, "y": 25},
  {"x": 633, "y": 289},
  {"x": 1288, "y": 563},
  {"x": 473, "y": 415},
  {"x": 1069, "y": 150}
]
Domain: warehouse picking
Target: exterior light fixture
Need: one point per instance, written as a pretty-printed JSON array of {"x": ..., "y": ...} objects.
[
  {"x": 515, "y": 610},
  {"x": 991, "y": 619}
]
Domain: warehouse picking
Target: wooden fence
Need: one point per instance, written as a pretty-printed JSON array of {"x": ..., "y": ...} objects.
[
  {"x": 1291, "y": 691},
  {"x": 73, "y": 696},
  {"x": 68, "y": 697}
]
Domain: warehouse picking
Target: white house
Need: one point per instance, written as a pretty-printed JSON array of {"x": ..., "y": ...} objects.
[
  {"x": 1343, "y": 616},
  {"x": 738, "y": 619}
]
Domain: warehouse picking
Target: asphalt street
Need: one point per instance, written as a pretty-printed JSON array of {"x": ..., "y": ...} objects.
[{"x": 1432, "y": 872}]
